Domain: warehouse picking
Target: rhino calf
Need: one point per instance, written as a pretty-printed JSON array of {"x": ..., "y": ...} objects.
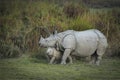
[{"x": 54, "y": 55}]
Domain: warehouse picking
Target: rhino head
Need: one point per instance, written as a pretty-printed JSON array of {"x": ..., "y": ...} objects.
[{"x": 49, "y": 41}]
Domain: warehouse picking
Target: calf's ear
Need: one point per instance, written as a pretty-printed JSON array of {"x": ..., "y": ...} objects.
[{"x": 57, "y": 46}]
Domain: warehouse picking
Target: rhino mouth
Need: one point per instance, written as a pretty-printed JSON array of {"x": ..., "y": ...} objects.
[{"x": 42, "y": 46}]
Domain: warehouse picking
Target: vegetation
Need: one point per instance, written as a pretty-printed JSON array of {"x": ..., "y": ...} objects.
[
  {"x": 21, "y": 25},
  {"x": 23, "y": 21}
]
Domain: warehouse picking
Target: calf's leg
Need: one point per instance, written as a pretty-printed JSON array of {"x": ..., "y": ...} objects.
[{"x": 52, "y": 60}]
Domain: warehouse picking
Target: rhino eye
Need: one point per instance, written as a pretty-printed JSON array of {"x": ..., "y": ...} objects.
[{"x": 46, "y": 40}]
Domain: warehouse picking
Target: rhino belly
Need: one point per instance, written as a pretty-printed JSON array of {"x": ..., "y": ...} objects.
[
  {"x": 84, "y": 51},
  {"x": 86, "y": 45}
]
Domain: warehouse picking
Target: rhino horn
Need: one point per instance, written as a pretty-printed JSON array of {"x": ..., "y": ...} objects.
[{"x": 41, "y": 37}]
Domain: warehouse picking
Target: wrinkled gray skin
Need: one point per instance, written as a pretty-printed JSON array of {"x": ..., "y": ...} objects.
[
  {"x": 55, "y": 55},
  {"x": 79, "y": 43}
]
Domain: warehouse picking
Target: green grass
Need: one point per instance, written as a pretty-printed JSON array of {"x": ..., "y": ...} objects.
[{"x": 26, "y": 68}]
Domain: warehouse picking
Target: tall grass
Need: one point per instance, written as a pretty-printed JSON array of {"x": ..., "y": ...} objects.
[{"x": 22, "y": 22}]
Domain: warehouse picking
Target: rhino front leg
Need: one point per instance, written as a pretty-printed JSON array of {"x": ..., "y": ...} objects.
[
  {"x": 52, "y": 60},
  {"x": 65, "y": 55},
  {"x": 70, "y": 59}
]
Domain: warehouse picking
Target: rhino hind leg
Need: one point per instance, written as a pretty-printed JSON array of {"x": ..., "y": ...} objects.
[
  {"x": 93, "y": 58},
  {"x": 92, "y": 61},
  {"x": 100, "y": 51},
  {"x": 98, "y": 60},
  {"x": 97, "y": 57}
]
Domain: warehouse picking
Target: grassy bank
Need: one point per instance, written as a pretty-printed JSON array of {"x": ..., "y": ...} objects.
[{"x": 26, "y": 68}]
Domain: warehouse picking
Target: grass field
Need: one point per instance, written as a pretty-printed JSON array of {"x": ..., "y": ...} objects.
[{"x": 26, "y": 68}]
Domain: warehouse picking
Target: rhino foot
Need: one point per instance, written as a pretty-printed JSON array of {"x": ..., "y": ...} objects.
[
  {"x": 63, "y": 62},
  {"x": 97, "y": 63}
]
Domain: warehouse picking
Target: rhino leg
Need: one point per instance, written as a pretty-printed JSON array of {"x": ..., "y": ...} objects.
[
  {"x": 65, "y": 55},
  {"x": 52, "y": 60},
  {"x": 87, "y": 59},
  {"x": 70, "y": 59},
  {"x": 93, "y": 59},
  {"x": 100, "y": 51},
  {"x": 98, "y": 60}
]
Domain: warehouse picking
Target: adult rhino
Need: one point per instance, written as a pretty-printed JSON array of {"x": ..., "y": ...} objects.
[{"x": 79, "y": 43}]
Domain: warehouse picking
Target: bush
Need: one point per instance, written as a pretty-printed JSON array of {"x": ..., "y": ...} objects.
[
  {"x": 116, "y": 15},
  {"x": 21, "y": 24},
  {"x": 73, "y": 10},
  {"x": 80, "y": 23},
  {"x": 9, "y": 51},
  {"x": 39, "y": 54},
  {"x": 4, "y": 49}
]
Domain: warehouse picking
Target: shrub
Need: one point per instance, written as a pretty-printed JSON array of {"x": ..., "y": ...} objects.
[
  {"x": 39, "y": 54},
  {"x": 80, "y": 23},
  {"x": 14, "y": 52},
  {"x": 8, "y": 51},
  {"x": 116, "y": 15},
  {"x": 4, "y": 49},
  {"x": 20, "y": 24},
  {"x": 73, "y": 10}
]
